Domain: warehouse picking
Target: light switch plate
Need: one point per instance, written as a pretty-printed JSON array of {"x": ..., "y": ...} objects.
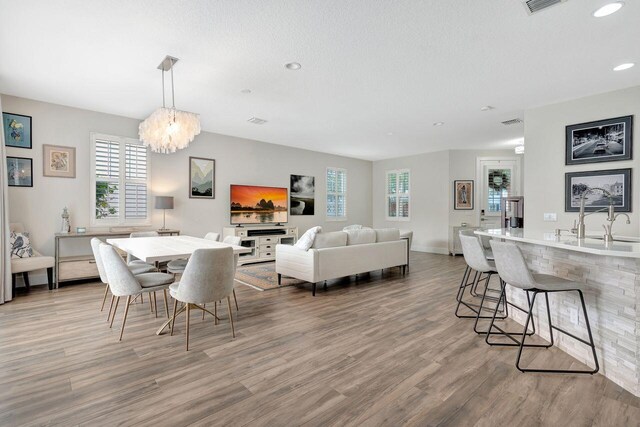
[{"x": 551, "y": 217}]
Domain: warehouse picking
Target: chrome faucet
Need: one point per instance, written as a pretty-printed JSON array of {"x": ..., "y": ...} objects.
[
  {"x": 579, "y": 228},
  {"x": 611, "y": 218}
]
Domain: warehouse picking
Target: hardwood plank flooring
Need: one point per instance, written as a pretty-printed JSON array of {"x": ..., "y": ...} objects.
[{"x": 380, "y": 349}]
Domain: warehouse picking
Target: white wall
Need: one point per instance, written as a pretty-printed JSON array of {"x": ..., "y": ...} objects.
[
  {"x": 238, "y": 161},
  {"x": 545, "y": 159},
  {"x": 431, "y": 209},
  {"x": 462, "y": 165}
]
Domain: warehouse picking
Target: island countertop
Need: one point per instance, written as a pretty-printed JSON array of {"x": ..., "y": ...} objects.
[{"x": 629, "y": 247}]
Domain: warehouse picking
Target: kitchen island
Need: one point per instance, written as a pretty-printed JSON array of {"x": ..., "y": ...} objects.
[{"x": 610, "y": 274}]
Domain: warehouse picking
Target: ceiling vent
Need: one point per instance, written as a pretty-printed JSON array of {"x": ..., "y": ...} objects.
[
  {"x": 257, "y": 121},
  {"x": 512, "y": 122},
  {"x": 535, "y": 6}
]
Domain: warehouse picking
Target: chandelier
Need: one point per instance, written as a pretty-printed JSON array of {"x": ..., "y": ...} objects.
[{"x": 169, "y": 129}]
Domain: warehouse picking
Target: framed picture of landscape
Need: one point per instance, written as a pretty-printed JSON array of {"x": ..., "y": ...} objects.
[
  {"x": 303, "y": 195},
  {"x": 600, "y": 141},
  {"x": 202, "y": 178},
  {"x": 17, "y": 130}
]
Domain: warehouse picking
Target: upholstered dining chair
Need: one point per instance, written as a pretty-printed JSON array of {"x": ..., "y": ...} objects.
[
  {"x": 134, "y": 268},
  {"x": 208, "y": 277},
  {"x": 123, "y": 283},
  {"x": 35, "y": 262},
  {"x": 177, "y": 265}
]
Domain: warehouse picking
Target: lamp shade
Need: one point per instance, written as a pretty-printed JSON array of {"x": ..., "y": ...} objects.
[{"x": 164, "y": 202}]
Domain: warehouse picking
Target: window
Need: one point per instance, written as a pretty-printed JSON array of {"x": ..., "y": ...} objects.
[
  {"x": 336, "y": 194},
  {"x": 398, "y": 197},
  {"x": 120, "y": 181}
]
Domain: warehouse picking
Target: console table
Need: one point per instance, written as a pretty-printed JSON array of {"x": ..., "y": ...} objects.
[{"x": 80, "y": 267}]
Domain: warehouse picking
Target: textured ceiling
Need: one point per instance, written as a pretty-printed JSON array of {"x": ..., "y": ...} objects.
[{"x": 369, "y": 67}]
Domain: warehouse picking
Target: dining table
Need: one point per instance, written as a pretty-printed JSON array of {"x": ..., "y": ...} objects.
[
  {"x": 167, "y": 248},
  {"x": 154, "y": 250}
]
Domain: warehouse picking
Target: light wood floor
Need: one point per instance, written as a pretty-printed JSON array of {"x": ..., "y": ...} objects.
[{"x": 377, "y": 351}]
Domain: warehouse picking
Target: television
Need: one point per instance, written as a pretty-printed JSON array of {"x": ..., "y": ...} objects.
[{"x": 252, "y": 204}]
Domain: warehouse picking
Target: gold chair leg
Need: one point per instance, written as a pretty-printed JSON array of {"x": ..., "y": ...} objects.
[
  {"x": 115, "y": 310},
  {"x": 203, "y": 306},
  {"x": 175, "y": 313},
  {"x": 110, "y": 307},
  {"x": 155, "y": 304},
  {"x": 124, "y": 319},
  {"x": 236, "y": 300},
  {"x": 215, "y": 312},
  {"x": 166, "y": 302},
  {"x": 141, "y": 299},
  {"x": 104, "y": 299},
  {"x": 233, "y": 331},
  {"x": 188, "y": 316}
]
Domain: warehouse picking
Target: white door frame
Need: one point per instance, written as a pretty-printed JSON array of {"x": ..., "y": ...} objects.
[{"x": 517, "y": 182}]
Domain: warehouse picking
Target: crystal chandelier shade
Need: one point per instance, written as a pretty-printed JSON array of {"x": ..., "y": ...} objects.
[{"x": 167, "y": 130}]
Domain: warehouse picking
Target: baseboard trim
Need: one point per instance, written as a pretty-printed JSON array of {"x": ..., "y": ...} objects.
[{"x": 430, "y": 249}]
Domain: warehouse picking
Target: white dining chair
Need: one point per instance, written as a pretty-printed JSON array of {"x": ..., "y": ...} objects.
[
  {"x": 177, "y": 265},
  {"x": 207, "y": 278},
  {"x": 135, "y": 269},
  {"x": 124, "y": 284}
]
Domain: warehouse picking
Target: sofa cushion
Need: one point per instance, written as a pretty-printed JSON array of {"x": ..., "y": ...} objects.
[
  {"x": 360, "y": 237},
  {"x": 330, "y": 240},
  {"x": 387, "y": 234},
  {"x": 20, "y": 245},
  {"x": 306, "y": 240}
]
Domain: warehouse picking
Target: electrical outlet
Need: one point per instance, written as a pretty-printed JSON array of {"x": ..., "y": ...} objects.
[
  {"x": 573, "y": 315},
  {"x": 552, "y": 217}
]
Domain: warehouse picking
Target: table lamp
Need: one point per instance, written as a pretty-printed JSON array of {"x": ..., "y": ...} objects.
[{"x": 164, "y": 203}]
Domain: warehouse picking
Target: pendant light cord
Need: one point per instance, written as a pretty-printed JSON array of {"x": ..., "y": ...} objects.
[
  {"x": 173, "y": 97},
  {"x": 163, "y": 104}
]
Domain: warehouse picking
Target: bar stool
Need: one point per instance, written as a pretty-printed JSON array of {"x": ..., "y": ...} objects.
[
  {"x": 476, "y": 260},
  {"x": 513, "y": 269}
]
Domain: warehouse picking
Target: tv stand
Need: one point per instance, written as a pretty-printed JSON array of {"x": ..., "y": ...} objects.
[{"x": 262, "y": 240}]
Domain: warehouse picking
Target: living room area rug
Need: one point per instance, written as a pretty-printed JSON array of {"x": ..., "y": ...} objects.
[{"x": 263, "y": 276}]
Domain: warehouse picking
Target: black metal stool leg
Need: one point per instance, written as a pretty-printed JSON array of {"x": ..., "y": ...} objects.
[
  {"x": 492, "y": 325},
  {"x": 590, "y": 343}
]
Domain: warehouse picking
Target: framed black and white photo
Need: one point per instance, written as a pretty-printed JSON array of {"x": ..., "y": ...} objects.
[
  {"x": 616, "y": 184},
  {"x": 463, "y": 194},
  {"x": 600, "y": 141},
  {"x": 303, "y": 195}
]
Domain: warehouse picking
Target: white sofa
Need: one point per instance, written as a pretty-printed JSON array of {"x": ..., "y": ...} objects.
[{"x": 343, "y": 253}]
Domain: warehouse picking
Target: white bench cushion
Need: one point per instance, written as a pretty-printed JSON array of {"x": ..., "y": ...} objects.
[{"x": 20, "y": 265}]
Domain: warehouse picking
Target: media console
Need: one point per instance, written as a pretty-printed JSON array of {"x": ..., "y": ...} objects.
[{"x": 262, "y": 240}]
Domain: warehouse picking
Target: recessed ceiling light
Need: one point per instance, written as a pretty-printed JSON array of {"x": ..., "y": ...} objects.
[
  {"x": 438, "y": 123},
  {"x": 608, "y": 9},
  {"x": 293, "y": 66},
  {"x": 625, "y": 66},
  {"x": 389, "y": 133},
  {"x": 487, "y": 108},
  {"x": 245, "y": 91}
]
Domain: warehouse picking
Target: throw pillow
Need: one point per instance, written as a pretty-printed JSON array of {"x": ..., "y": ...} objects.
[
  {"x": 20, "y": 245},
  {"x": 306, "y": 240}
]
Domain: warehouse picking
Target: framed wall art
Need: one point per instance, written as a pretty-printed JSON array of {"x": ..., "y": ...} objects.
[
  {"x": 302, "y": 190},
  {"x": 463, "y": 194},
  {"x": 202, "y": 178},
  {"x": 608, "y": 185},
  {"x": 17, "y": 130},
  {"x": 20, "y": 171},
  {"x": 600, "y": 141},
  {"x": 59, "y": 161}
]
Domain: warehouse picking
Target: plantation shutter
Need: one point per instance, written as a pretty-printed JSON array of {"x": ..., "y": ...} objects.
[
  {"x": 135, "y": 202},
  {"x": 397, "y": 194},
  {"x": 107, "y": 163},
  {"x": 336, "y": 194}
]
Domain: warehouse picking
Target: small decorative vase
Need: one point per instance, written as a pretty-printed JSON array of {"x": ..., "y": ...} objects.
[{"x": 66, "y": 225}]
